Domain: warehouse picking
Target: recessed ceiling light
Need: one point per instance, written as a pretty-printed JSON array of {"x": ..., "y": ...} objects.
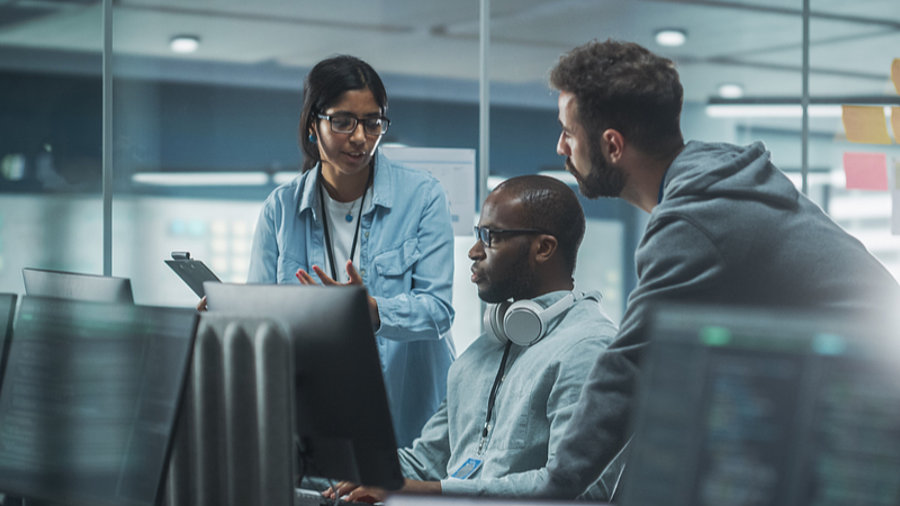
[
  {"x": 731, "y": 90},
  {"x": 671, "y": 37},
  {"x": 184, "y": 43}
]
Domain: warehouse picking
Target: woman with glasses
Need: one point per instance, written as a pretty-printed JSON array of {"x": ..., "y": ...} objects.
[{"x": 354, "y": 217}]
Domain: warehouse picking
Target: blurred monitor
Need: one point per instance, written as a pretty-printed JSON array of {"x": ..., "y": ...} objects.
[
  {"x": 78, "y": 286},
  {"x": 343, "y": 422},
  {"x": 88, "y": 401},
  {"x": 769, "y": 407}
]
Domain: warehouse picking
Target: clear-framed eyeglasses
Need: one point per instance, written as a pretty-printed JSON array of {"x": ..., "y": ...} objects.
[{"x": 347, "y": 123}]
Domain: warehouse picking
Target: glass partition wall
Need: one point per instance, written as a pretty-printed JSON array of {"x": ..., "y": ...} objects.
[
  {"x": 204, "y": 100},
  {"x": 50, "y": 138}
]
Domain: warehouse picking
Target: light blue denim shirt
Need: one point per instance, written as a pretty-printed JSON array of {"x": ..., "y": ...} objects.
[
  {"x": 406, "y": 262},
  {"x": 534, "y": 403}
]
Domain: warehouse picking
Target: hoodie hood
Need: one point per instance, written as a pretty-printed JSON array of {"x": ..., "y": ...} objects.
[{"x": 726, "y": 170}]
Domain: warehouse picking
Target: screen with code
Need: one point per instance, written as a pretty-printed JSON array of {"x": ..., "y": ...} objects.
[
  {"x": 89, "y": 398},
  {"x": 770, "y": 408}
]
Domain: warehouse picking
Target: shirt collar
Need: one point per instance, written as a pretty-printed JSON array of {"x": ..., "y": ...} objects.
[{"x": 382, "y": 186}]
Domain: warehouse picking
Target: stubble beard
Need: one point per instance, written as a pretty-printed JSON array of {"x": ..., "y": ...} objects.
[
  {"x": 517, "y": 284},
  {"x": 603, "y": 179}
]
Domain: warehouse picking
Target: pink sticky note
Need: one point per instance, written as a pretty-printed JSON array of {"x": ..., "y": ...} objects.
[{"x": 866, "y": 171}]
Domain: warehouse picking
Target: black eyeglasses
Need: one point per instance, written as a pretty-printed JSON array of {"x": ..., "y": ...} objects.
[
  {"x": 486, "y": 235},
  {"x": 346, "y": 123}
]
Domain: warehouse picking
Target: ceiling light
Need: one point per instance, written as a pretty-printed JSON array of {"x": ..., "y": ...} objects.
[
  {"x": 770, "y": 111},
  {"x": 731, "y": 90},
  {"x": 184, "y": 43},
  {"x": 671, "y": 37},
  {"x": 201, "y": 178}
]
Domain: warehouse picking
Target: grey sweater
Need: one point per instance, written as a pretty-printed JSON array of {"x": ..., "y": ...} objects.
[{"x": 730, "y": 229}]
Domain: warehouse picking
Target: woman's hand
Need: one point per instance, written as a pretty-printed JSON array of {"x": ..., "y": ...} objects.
[{"x": 355, "y": 279}]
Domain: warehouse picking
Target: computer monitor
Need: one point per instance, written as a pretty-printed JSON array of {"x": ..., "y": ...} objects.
[
  {"x": 89, "y": 399},
  {"x": 78, "y": 286},
  {"x": 770, "y": 407},
  {"x": 343, "y": 422}
]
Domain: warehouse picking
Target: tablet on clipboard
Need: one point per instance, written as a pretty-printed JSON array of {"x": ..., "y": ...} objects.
[{"x": 191, "y": 271}]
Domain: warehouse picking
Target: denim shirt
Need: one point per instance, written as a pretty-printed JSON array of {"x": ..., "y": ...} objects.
[
  {"x": 540, "y": 389},
  {"x": 406, "y": 262}
]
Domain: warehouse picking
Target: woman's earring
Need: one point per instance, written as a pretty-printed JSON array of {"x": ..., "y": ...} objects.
[{"x": 312, "y": 138}]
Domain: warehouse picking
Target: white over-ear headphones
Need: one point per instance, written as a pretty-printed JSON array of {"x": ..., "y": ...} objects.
[{"x": 524, "y": 322}]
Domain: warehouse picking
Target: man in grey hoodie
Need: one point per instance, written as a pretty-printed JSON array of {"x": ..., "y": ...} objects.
[{"x": 725, "y": 226}]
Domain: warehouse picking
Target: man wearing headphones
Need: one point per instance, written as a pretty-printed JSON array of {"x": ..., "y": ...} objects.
[{"x": 511, "y": 393}]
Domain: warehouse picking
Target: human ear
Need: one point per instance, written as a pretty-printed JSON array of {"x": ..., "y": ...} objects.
[
  {"x": 544, "y": 247},
  {"x": 614, "y": 142}
]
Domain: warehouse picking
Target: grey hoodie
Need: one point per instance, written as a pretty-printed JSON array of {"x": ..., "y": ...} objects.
[{"x": 730, "y": 229}]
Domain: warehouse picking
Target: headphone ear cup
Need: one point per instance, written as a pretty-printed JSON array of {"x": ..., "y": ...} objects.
[
  {"x": 523, "y": 323},
  {"x": 493, "y": 321}
]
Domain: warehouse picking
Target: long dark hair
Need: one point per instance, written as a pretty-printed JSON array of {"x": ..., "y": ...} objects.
[{"x": 324, "y": 85}]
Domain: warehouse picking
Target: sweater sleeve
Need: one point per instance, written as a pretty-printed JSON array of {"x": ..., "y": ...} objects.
[{"x": 676, "y": 260}]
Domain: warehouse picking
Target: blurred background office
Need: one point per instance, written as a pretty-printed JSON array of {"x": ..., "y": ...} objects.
[{"x": 132, "y": 128}]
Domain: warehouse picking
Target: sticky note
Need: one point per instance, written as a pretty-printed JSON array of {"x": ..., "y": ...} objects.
[
  {"x": 895, "y": 122},
  {"x": 895, "y": 74},
  {"x": 866, "y": 171},
  {"x": 865, "y": 124}
]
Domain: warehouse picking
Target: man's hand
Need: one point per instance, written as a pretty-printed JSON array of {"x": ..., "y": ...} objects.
[
  {"x": 349, "y": 491},
  {"x": 352, "y": 492},
  {"x": 355, "y": 279}
]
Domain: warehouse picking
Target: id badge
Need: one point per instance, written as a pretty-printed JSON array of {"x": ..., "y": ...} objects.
[{"x": 467, "y": 469}]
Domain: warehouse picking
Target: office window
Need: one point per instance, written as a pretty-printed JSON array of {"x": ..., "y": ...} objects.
[{"x": 206, "y": 96}]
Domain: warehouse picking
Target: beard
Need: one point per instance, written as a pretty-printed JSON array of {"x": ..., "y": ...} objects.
[
  {"x": 515, "y": 282},
  {"x": 603, "y": 179}
]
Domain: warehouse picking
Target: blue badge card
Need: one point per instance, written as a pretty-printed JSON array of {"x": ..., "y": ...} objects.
[{"x": 467, "y": 469}]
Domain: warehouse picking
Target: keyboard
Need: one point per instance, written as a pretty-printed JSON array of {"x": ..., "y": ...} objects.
[{"x": 308, "y": 497}]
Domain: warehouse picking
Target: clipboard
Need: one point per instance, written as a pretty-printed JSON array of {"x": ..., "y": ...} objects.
[{"x": 192, "y": 271}]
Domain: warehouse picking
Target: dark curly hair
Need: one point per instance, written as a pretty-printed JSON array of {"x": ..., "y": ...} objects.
[
  {"x": 622, "y": 85},
  {"x": 324, "y": 85},
  {"x": 550, "y": 205}
]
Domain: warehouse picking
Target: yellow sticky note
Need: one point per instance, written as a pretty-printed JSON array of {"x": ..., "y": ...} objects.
[
  {"x": 895, "y": 122},
  {"x": 895, "y": 74},
  {"x": 865, "y": 124}
]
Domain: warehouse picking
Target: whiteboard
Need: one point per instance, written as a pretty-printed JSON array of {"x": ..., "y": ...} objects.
[{"x": 454, "y": 168}]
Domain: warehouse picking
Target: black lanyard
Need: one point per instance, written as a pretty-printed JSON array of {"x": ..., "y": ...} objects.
[
  {"x": 493, "y": 396},
  {"x": 362, "y": 203}
]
